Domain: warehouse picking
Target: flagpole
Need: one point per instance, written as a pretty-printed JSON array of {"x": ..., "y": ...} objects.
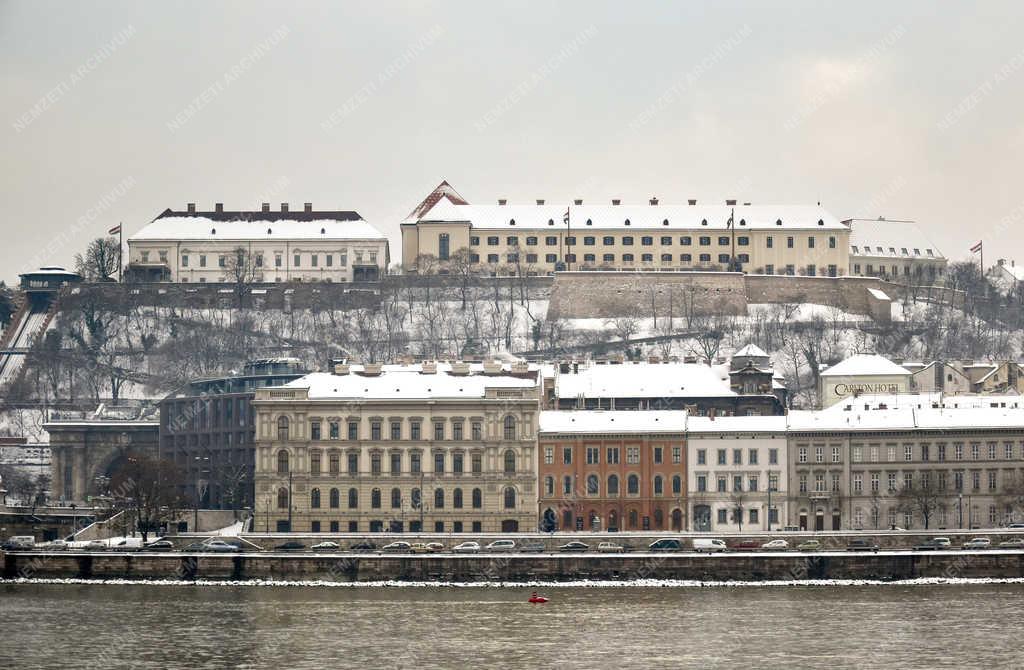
[
  {"x": 120, "y": 252},
  {"x": 733, "y": 266}
]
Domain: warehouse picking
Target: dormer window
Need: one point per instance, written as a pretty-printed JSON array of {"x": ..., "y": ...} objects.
[
  {"x": 904, "y": 251},
  {"x": 511, "y": 222},
  {"x": 213, "y": 231},
  {"x": 269, "y": 231},
  {"x": 917, "y": 252},
  {"x": 855, "y": 250},
  {"x": 703, "y": 222},
  {"x": 323, "y": 231},
  {"x": 627, "y": 222},
  {"x": 551, "y": 222},
  {"x": 743, "y": 222},
  {"x": 778, "y": 222},
  {"x": 821, "y": 222},
  {"x": 665, "y": 222},
  {"x": 589, "y": 222}
]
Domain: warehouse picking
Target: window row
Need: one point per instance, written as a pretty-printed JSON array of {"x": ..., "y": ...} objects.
[
  {"x": 612, "y": 455},
  {"x": 646, "y": 240},
  {"x": 752, "y": 456},
  {"x": 441, "y": 461},
  {"x": 956, "y": 451},
  {"x": 612, "y": 485},
  {"x": 242, "y": 262},
  {"x": 439, "y": 431},
  {"x": 398, "y": 500},
  {"x": 735, "y": 483}
]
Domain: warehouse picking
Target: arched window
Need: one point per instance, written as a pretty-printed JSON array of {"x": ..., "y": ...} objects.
[
  {"x": 592, "y": 485},
  {"x": 510, "y": 462},
  {"x": 567, "y": 519},
  {"x": 282, "y": 498},
  {"x": 549, "y": 486},
  {"x": 457, "y": 498},
  {"x": 314, "y": 498},
  {"x": 282, "y": 428},
  {"x": 510, "y": 427},
  {"x": 353, "y": 498},
  {"x": 478, "y": 499},
  {"x": 633, "y": 485},
  {"x": 613, "y": 485},
  {"x": 396, "y": 498},
  {"x": 633, "y": 519},
  {"x": 510, "y": 498},
  {"x": 659, "y": 519},
  {"x": 335, "y": 498},
  {"x": 282, "y": 462},
  {"x": 375, "y": 498},
  {"x": 677, "y": 485},
  {"x": 438, "y": 498},
  {"x": 659, "y": 485}
]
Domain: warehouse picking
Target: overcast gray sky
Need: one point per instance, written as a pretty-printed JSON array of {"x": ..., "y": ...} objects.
[{"x": 114, "y": 111}]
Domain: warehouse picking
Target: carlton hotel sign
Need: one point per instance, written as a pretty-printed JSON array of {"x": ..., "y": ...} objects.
[{"x": 842, "y": 389}]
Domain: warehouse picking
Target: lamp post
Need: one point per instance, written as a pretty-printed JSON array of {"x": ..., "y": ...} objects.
[
  {"x": 960, "y": 508},
  {"x": 199, "y": 460}
]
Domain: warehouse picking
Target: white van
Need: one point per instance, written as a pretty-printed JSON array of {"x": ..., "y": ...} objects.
[
  {"x": 707, "y": 545},
  {"x": 501, "y": 545},
  {"x": 16, "y": 542}
]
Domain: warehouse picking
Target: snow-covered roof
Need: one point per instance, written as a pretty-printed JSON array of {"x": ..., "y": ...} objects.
[
  {"x": 864, "y": 365},
  {"x": 597, "y": 421},
  {"x": 405, "y": 385},
  {"x": 1016, "y": 272},
  {"x": 878, "y": 294},
  {"x": 751, "y": 351},
  {"x": 644, "y": 380},
  {"x": 736, "y": 424},
  {"x": 201, "y": 228},
  {"x": 923, "y": 400},
  {"x": 646, "y": 217},
  {"x": 890, "y": 239},
  {"x": 443, "y": 191},
  {"x": 907, "y": 418}
]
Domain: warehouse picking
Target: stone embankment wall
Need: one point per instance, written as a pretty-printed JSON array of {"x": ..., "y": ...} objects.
[
  {"x": 578, "y": 295},
  {"x": 517, "y": 567}
]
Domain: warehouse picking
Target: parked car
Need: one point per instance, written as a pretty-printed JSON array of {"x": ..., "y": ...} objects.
[
  {"x": 195, "y": 546},
  {"x": 418, "y": 548},
  {"x": 703, "y": 545},
  {"x": 610, "y": 548},
  {"x": 666, "y": 544},
  {"x": 327, "y": 545},
  {"x": 775, "y": 545},
  {"x": 19, "y": 543},
  {"x": 747, "y": 545},
  {"x": 159, "y": 545},
  {"x": 809, "y": 545},
  {"x": 861, "y": 544},
  {"x": 397, "y": 548},
  {"x": 934, "y": 543},
  {"x": 977, "y": 543},
  {"x": 53, "y": 545},
  {"x": 535, "y": 547},
  {"x": 1015, "y": 525},
  {"x": 222, "y": 547},
  {"x": 435, "y": 547},
  {"x": 290, "y": 545},
  {"x": 501, "y": 545},
  {"x": 363, "y": 547},
  {"x": 467, "y": 548},
  {"x": 575, "y": 545},
  {"x": 1013, "y": 543}
]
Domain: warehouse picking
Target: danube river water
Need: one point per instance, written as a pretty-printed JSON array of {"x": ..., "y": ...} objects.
[{"x": 147, "y": 626}]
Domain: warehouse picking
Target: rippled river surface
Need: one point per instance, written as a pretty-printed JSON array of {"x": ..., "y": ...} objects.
[{"x": 147, "y": 626}]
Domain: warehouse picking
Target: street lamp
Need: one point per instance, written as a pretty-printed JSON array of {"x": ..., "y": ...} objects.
[
  {"x": 960, "y": 508},
  {"x": 198, "y": 459}
]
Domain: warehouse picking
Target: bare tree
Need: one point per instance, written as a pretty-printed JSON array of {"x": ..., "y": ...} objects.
[
  {"x": 147, "y": 489},
  {"x": 625, "y": 327},
  {"x": 101, "y": 260},
  {"x": 240, "y": 270},
  {"x": 923, "y": 499},
  {"x": 736, "y": 502}
]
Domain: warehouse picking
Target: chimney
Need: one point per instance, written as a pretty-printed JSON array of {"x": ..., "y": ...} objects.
[
  {"x": 492, "y": 367},
  {"x": 692, "y": 202},
  {"x": 520, "y": 367},
  {"x": 218, "y": 207},
  {"x": 428, "y": 367},
  {"x": 502, "y": 201},
  {"x": 372, "y": 369},
  {"x": 284, "y": 206},
  {"x": 730, "y": 203},
  {"x": 653, "y": 201},
  {"x": 341, "y": 368},
  {"x": 578, "y": 201},
  {"x": 191, "y": 208},
  {"x": 460, "y": 368},
  {"x": 616, "y": 201},
  {"x": 308, "y": 206},
  {"x": 540, "y": 201},
  {"x": 265, "y": 207}
]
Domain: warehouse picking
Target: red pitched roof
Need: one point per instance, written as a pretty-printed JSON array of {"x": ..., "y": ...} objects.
[{"x": 443, "y": 190}]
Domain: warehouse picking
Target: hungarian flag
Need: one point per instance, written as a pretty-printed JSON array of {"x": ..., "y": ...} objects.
[
  {"x": 976, "y": 248},
  {"x": 565, "y": 219},
  {"x": 115, "y": 230}
]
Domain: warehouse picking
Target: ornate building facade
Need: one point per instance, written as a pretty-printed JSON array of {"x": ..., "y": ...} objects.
[{"x": 434, "y": 447}]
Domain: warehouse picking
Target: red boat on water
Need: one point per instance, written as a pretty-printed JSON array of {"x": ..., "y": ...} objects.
[{"x": 536, "y": 599}]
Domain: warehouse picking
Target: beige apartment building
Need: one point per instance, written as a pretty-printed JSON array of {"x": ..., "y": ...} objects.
[
  {"x": 898, "y": 251},
  {"x": 956, "y": 466},
  {"x": 436, "y": 447},
  {"x": 257, "y": 247},
  {"x": 445, "y": 230}
]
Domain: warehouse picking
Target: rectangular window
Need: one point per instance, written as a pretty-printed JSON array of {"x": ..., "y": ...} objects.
[
  {"x": 457, "y": 433},
  {"x": 567, "y": 455},
  {"x": 353, "y": 430},
  {"x": 723, "y": 516},
  {"x": 632, "y": 455},
  {"x": 438, "y": 431},
  {"x": 803, "y": 483},
  {"x": 202, "y": 260},
  {"x": 414, "y": 430},
  {"x": 858, "y": 482},
  {"x": 874, "y": 482},
  {"x": 908, "y": 452},
  {"x": 396, "y": 464},
  {"x": 613, "y": 455},
  {"x": 702, "y": 457},
  {"x": 925, "y": 455},
  {"x": 439, "y": 463},
  {"x": 457, "y": 462},
  {"x": 477, "y": 463},
  {"x": 677, "y": 455},
  {"x": 752, "y": 456},
  {"x": 737, "y": 482},
  {"x": 942, "y": 451},
  {"x": 184, "y": 260},
  {"x": 415, "y": 463},
  {"x": 593, "y": 455},
  {"x": 723, "y": 484},
  {"x": 396, "y": 430},
  {"x": 477, "y": 430},
  {"x": 549, "y": 455},
  {"x": 314, "y": 430},
  {"x": 329, "y": 258},
  {"x": 314, "y": 260},
  {"x": 752, "y": 483},
  {"x": 819, "y": 454},
  {"x": 737, "y": 457},
  {"x": 722, "y": 457},
  {"x": 375, "y": 430},
  {"x": 295, "y": 260},
  {"x": 314, "y": 463},
  {"x": 773, "y": 456},
  {"x": 278, "y": 261},
  {"x": 801, "y": 455},
  {"x": 702, "y": 483},
  {"x": 353, "y": 463},
  {"x": 333, "y": 431},
  {"x": 657, "y": 455}
]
